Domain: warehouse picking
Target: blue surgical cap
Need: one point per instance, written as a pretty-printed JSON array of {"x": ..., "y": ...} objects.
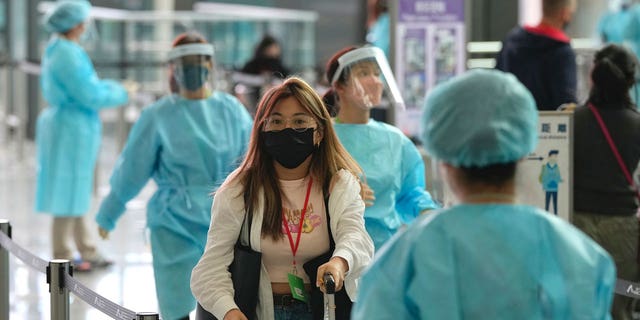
[
  {"x": 66, "y": 15},
  {"x": 480, "y": 118}
]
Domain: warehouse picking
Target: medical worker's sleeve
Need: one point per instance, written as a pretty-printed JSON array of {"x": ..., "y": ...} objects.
[
  {"x": 133, "y": 169},
  {"x": 413, "y": 197},
  {"x": 412, "y": 278},
  {"x": 600, "y": 29},
  {"x": 382, "y": 291},
  {"x": 241, "y": 125},
  {"x": 245, "y": 124},
  {"x": 606, "y": 289},
  {"x": 77, "y": 75}
]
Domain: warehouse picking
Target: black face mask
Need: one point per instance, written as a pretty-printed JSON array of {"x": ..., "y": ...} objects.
[{"x": 289, "y": 147}]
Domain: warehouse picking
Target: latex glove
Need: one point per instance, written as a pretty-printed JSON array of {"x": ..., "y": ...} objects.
[
  {"x": 367, "y": 195},
  {"x": 235, "y": 314},
  {"x": 337, "y": 267},
  {"x": 104, "y": 234},
  {"x": 131, "y": 86}
]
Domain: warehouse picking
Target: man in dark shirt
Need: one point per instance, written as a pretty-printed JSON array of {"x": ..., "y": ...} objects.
[{"x": 541, "y": 56}]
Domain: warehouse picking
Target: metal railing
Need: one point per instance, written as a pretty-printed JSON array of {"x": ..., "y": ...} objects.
[{"x": 59, "y": 276}]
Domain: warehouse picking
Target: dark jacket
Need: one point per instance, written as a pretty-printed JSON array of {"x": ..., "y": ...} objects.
[
  {"x": 545, "y": 65},
  {"x": 599, "y": 184}
]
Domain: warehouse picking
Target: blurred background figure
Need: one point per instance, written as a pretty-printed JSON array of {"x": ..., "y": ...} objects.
[
  {"x": 621, "y": 25},
  {"x": 541, "y": 56},
  {"x": 68, "y": 132},
  {"x": 614, "y": 23},
  {"x": 267, "y": 59},
  {"x": 378, "y": 33},
  {"x": 267, "y": 65},
  {"x": 394, "y": 173},
  {"x": 187, "y": 142},
  {"x": 605, "y": 204},
  {"x": 486, "y": 254},
  {"x": 628, "y": 19}
]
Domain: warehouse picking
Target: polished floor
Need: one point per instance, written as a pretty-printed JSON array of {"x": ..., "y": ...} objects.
[{"x": 129, "y": 282}]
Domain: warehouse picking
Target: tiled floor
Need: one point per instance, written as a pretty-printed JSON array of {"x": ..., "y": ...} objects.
[{"x": 129, "y": 282}]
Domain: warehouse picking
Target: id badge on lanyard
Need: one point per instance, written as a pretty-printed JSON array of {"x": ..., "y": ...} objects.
[{"x": 296, "y": 284}]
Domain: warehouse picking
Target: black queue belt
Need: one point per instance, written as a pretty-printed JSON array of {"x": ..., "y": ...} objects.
[
  {"x": 89, "y": 296},
  {"x": 628, "y": 288}
]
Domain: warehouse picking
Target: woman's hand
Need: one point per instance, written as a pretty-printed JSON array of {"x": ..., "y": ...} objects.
[
  {"x": 235, "y": 314},
  {"x": 367, "y": 195},
  {"x": 337, "y": 267}
]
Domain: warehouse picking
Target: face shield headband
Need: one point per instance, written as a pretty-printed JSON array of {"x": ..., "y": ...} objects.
[
  {"x": 372, "y": 53},
  {"x": 204, "y": 49}
]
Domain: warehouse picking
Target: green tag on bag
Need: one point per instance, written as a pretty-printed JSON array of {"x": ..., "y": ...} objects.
[{"x": 297, "y": 287}]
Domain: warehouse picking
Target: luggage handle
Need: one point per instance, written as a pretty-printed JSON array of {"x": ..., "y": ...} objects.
[
  {"x": 329, "y": 297},
  {"x": 329, "y": 283}
]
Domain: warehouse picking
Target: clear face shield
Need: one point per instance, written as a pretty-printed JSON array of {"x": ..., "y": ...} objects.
[
  {"x": 192, "y": 72},
  {"x": 368, "y": 80},
  {"x": 90, "y": 37}
]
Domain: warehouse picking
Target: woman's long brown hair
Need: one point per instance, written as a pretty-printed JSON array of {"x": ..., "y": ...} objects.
[{"x": 257, "y": 173}]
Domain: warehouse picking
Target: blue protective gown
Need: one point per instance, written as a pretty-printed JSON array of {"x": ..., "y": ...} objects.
[
  {"x": 613, "y": 24},
  {"x": 379, "y": 34},
  {"x": 188, "y": 147},
  {"x": 68, "y": 132},
  {"x": 632, "y": 30},
  {"x": 488, "y": 262},
  {"x": 394, "y": 170}
]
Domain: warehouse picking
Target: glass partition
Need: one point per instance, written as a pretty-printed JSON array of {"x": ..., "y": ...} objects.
[{"x": 133, "y": 44}]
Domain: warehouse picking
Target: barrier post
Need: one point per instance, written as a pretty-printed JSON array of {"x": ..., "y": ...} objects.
[
  {"x": 147, "y": 316},
  {"x": 5, "y": 227},
  {"x": 59, "y": 292}
]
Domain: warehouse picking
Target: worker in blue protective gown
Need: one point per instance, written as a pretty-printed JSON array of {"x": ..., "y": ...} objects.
[
  {"x": 68, "y": 132},
  {"x": 187, "y": 143},
  {"x": 379, "y": 33},
  {"x": 632, "y": 28},
  {"x": 486, "y": 257},
  {"x": 613, "y": 24},
  {"x": 394, "y": 173}
]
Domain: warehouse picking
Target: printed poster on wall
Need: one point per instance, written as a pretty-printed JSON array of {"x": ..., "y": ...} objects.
[
  {"x": 544, "y": 178},
  {"x": 430, "y": 48}
]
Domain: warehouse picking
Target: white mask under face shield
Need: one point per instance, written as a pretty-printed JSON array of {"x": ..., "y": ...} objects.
[
  {"x": 192, "y": 66},
  {"x": 368, "y": 78}
]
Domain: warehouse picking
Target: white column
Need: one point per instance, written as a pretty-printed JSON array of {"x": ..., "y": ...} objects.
[{"x": 530, "y": 12}]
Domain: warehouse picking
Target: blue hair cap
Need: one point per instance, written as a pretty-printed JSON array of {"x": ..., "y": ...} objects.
[
  {"x": 480, "y": 118},
  {"x": 66, "y": 14}
]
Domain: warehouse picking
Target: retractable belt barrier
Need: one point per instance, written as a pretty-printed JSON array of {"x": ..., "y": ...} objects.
[
  {"x": 628, "y": 288},
  {"x": 66, "y": 282}
]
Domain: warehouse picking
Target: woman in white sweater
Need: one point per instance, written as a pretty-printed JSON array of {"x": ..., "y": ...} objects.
[{"x": 296, "y": 174}]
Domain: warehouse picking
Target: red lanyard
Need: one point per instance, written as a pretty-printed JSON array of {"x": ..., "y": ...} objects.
[{"x": 294, "y": 247}]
